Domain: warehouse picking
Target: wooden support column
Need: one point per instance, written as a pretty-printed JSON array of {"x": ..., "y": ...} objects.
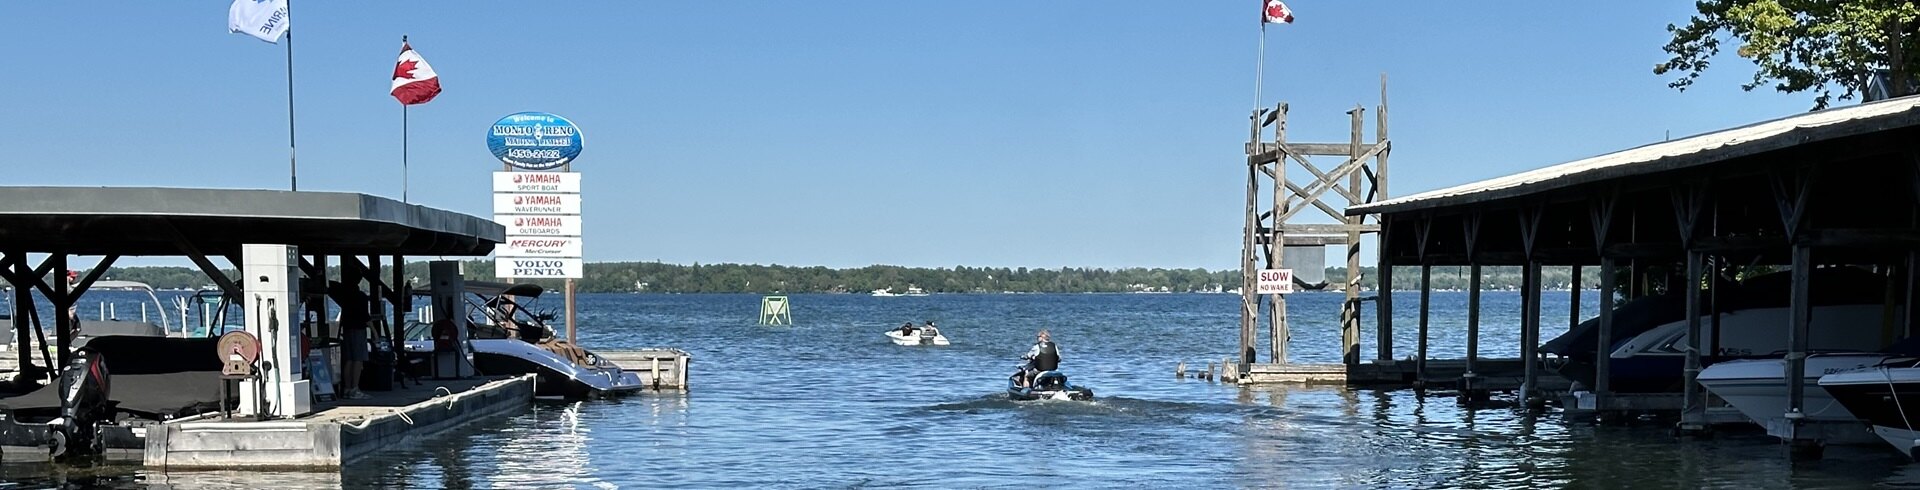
[
  {"x": 400, "y": 295},
  {"x": 1573, "y": 300},
  {"x": 63, "y": 322},
  {"x": 1276, "y": 245},
  {"x": 1249, "y": 312},
  {"x": 1792, "y": 191},
  {"x": 1603, "y": 374},
  {"x": 1802, "y": 310},
  {"x": 1688, "y": 202},
  {"x": 1469, "y": 380},
  {"x": 1383, "y": 299},
  {"x": 1601, "y": 215},
  {"x": 1421, "y": 233},
  {"x": 22, "y": 307},
  {"x": 1530, "y": 306}
]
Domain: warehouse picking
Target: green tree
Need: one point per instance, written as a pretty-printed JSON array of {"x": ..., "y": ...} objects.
[{"x": 1802, "y": 45}]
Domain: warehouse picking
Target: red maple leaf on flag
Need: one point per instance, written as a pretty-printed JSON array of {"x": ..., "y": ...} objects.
[{"x": 403, "y": 70}]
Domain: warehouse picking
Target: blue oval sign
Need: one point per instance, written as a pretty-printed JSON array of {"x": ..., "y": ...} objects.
[{"x": 534, "y": 140}]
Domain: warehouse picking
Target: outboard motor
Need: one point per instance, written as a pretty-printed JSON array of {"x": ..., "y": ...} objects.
[{"x": 84, "y": 382}]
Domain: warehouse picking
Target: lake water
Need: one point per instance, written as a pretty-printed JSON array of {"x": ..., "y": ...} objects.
[{"x": 829, "y": 402}]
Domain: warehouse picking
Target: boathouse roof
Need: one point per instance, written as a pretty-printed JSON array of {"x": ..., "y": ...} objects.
[
  {"x": 1693, "y": 151},
  {"x": 161, "y": 221}
]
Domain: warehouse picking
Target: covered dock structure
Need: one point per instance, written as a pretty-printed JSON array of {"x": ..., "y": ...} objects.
[
  {"x": 44, "y": 229},
  {"x": 1837, "y": 187}
]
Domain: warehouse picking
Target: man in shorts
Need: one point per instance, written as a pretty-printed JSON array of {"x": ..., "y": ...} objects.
[{"x": 354, "y": 317}]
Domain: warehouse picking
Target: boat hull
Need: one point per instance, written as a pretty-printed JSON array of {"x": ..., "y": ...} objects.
[
  {"x": 1758, "y": 389},
  {"x": 1884, "y": 397},
  {"x": 916, "y": 339},
  {"x": 556, "y": 376}
]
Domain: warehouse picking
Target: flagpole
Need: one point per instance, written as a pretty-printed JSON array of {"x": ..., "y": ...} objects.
[
  {"x": 1260, "y": 66},
  {"x": 403, "y": 153},
  {"x": 293, "y": 166}
]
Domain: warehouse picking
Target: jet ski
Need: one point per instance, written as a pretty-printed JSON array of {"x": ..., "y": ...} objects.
[
  {"x": 1047, "y": 385},
  {"x": 926, "y": 335}
]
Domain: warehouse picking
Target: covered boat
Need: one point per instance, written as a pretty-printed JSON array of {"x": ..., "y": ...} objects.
[{"x": 1758, "y": 388}]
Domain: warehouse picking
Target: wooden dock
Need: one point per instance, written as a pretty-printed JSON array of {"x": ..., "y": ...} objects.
[
  {"x": 665, "y": 367},
  {"x": 1491, "y": 374}
]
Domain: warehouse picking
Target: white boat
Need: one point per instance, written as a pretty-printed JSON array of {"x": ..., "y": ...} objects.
[
  {"x": 1758, "y": 388},
  {"x": 914, "y": 291},
  {"x": 1880, "y": 395},
  {"x": 885, "y": 293},
  {"x": 918, "y": 336}
]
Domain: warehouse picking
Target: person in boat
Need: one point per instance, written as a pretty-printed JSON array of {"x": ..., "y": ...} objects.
[
  {"x": 1042, "y": 357},
  {"x": 906, "y": 329},
  {"x": 930, "y": 328}
]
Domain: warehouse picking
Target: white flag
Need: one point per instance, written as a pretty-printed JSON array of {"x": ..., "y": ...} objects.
[{"x": 264, "y": 19}]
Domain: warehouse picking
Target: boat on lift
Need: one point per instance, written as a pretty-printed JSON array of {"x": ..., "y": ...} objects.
[{"x": 507, "y": 338}]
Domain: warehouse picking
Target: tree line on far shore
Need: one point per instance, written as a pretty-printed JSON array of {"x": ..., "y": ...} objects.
[{"x": 657, "y": 277}]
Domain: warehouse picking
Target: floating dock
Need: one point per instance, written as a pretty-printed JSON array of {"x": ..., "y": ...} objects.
[
  {"x": 337, "y": 432},
  {"x": 664, "y": 368}
]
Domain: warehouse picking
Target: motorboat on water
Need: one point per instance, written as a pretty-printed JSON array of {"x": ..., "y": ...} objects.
[
  {"x": 884, "y": 293},
  {"x": 1650, "y": 333},
  {"x": 507, "y": 337},
  {"x": 1758, "y": 388},
  {"x": 1047, "y": 385},
  {"x": 914, "y": 291},
  {"x": 1879, "y": 395},
  {"x": 922, "y": 335}
]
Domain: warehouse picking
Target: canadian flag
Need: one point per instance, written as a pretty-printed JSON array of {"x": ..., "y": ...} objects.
[
  {"x": 413, "y": 81},
  {"x": 1276, "y": 12}
]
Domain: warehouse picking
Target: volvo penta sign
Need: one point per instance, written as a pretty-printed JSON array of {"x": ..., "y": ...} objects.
[
  {"x": 537, "y": 267},
  {"x": 534, "y": 140}
]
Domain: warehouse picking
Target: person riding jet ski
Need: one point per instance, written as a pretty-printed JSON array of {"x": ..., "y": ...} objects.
[{"x": 1043, "y": 356}]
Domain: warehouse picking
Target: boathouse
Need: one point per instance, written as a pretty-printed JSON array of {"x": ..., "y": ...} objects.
[{"x": 1837, "y": 187}]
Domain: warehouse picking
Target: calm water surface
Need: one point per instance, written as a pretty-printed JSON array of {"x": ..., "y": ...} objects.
[{"x": 830, "y": 402}]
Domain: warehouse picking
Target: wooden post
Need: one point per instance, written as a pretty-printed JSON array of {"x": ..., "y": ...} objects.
[
  {"x": 1426, "y": 299},
  {"x": 1694, "y": 415},
  {"x": 1249, "y": 314},
  {"x": 1383, "y": 299},
  {"x": 1276, "y": 244},
  {"x": 1473, "y": 324},
  {"x": 1573, "y": 302},
  {"x": 63, "y": 323},
  {"x": 1530, "y": 334},
  {"x": 1603, "y": 377},
  {"x": 570, "y": 325},
  {"x": 402, "y": 300},
  {"x": 1802, "y": 309}
]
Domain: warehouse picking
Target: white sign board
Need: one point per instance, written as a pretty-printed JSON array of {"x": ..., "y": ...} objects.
[
  {"x": 529, "y": 246},
  {"x": 545, "y": 182},
  {"x": 1275, "y": 281},
  {"x": 527, "y": 203},
  {"x": 537, "y": 268},
  {"x": 539, "y": 225}
]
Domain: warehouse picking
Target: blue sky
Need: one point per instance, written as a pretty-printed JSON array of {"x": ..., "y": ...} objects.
[{"x": 1038, "y": 134}]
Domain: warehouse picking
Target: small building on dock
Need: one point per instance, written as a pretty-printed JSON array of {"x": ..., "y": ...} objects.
[{"x": 282, "y": 246}]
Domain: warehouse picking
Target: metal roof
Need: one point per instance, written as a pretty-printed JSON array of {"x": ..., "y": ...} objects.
[
  {"x": 155, "y": 221},
  {"x": 1671, "y": 155}
]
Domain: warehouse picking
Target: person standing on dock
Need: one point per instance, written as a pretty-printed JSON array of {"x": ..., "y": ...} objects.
[{"x": 354, "y": 318}]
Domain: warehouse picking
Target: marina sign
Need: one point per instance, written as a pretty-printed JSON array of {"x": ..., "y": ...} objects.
[
  {"x": 516, "y": 246},
  {"x": 1275, "y": 281},
  {"x": 546, "y": 182},
  {"x": 539, "y": 225},
  {"x": 534, "y": 140},
  {"x": 537, "y": 268},
  {"x": 528, "y": 203}
]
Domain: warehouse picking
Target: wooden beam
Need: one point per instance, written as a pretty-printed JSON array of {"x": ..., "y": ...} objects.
[
  {"x": 227, "y": 286},
  {"x": 1327, "y": 228},
  {"x": 1321, "y": 186},
  {"x": 94, "y": 274}
]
